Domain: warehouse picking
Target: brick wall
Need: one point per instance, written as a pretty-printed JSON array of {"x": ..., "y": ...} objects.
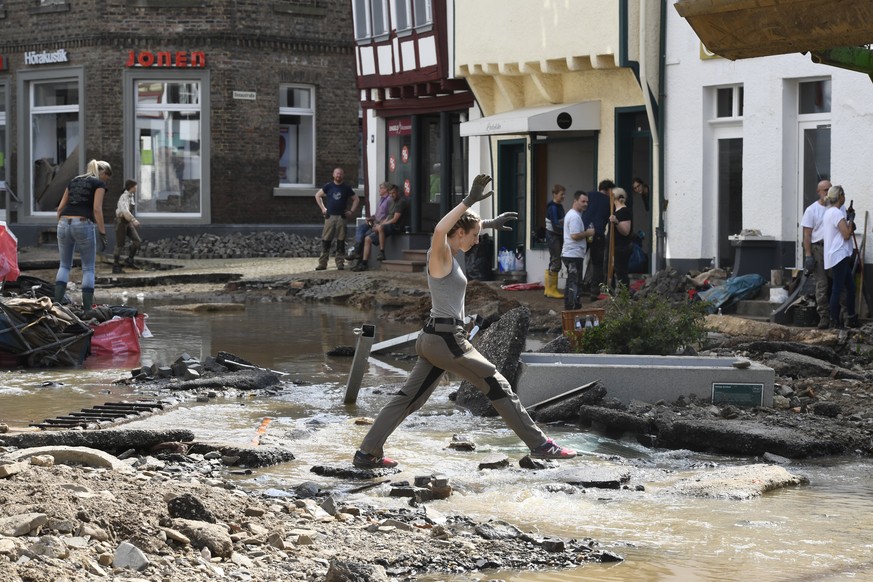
[{"x": 250, "y": 46}]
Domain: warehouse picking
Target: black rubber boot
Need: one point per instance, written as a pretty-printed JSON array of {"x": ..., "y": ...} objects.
[
  {"x": 87, "y": 298},
  {"x": 60, "y": 290}
]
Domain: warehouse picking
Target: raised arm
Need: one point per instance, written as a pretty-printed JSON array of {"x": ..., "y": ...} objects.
[
  {"x": 440, "y": 263},
  {"x": 499, "y": 222}
]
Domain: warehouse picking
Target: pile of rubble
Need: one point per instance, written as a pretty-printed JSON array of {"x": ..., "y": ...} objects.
[{"x": 234, "y": 246}]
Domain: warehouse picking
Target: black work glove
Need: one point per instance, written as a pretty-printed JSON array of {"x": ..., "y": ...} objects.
[
  {"x": 809, "y": 264},
  {"x": 850, "y": 216},
  {"x": 499, "y": 222},
  {"x": 477, "y": 190},
  {"x": 101, "y": 244},
  {"x": 326, "y": 215}
]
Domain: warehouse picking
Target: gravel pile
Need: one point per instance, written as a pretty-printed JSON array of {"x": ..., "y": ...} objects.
[{"x": 236, "y": 246}]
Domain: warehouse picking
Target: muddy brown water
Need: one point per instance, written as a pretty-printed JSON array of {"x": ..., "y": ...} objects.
[{"x": 821, "y": 531}]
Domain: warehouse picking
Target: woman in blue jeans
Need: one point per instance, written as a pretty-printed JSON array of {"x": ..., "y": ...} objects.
[
  {"x": 80, "y": 220},
  {"x": 839, "y": 228}
]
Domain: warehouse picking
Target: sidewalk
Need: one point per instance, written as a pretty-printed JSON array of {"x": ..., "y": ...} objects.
[
  {"x": 45, "y": 258},
  {"x": 167, "y": 277}
]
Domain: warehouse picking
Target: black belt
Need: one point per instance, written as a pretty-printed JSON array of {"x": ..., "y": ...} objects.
[
  {"x": 819, "y": 243},
  {"x": 71, "y": 220},
  {"x": 445, "y": 321},
  {"x": 439, "y": 325}
]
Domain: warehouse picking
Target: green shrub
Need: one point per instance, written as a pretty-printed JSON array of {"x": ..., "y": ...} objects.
[{"x": 651, "y": 325}]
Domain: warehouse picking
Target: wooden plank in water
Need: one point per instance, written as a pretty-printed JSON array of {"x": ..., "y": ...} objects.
[{"x": 393, "y": 343}]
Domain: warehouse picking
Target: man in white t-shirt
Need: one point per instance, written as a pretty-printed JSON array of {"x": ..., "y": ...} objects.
[
  {"x": 574, "y": 249},
  {"x": 813, "y": 251}
]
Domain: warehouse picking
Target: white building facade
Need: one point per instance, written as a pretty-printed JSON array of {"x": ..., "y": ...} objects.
[{"x": 746, "y": 142}]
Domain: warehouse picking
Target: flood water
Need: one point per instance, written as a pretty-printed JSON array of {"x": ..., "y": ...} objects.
[{"x": 818, "y": 532}]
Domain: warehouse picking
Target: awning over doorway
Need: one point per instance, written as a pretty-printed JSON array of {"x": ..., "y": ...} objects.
[{"x": 566, "y": 117}]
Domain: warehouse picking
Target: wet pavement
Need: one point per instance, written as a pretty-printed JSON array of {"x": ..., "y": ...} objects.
[{"x": 165, "y": 276}]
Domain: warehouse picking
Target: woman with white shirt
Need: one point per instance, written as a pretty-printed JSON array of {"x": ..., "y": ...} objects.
[{"x": 838, "y": 229}]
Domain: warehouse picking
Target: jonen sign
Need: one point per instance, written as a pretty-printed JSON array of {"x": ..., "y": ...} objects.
[{"x": 173, "y": 59}]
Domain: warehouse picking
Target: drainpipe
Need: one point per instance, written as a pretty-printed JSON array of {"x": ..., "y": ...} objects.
[{"x": 659, "y": 259}]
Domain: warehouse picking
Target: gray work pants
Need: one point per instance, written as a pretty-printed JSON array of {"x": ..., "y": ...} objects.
[
  {"x": 822, "y": 296},
  {"x": 445, "y": 348},
  {"x": 334, "y": 229}
]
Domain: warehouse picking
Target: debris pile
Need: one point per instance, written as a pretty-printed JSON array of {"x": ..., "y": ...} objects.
[{"x": 234, "y": 246}]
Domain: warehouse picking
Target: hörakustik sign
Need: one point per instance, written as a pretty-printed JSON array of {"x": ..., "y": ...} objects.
[
  {"x": 46, "y": 57},
  {"x": 167, "y": 59}
]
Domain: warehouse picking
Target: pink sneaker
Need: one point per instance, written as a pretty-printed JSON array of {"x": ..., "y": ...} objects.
[
  {"x": 364, "y": 461},
  {"x": 552, "y": 450}
]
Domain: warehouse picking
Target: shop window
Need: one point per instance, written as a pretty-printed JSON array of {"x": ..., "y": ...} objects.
[
  {"x": 296, "y": 135},
  {"x": 168, "y": 135},
  {"x": 400, "y": 152},
  {"x": 55, "y": 138}
]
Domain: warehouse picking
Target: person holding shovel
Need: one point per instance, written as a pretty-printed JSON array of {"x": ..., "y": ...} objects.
[
  {"x": 838, "y": 229},
  {"x": 443, "y": 345}
]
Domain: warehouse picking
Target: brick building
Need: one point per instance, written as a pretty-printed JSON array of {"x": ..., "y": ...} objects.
[{"x": 186, "y": 97}]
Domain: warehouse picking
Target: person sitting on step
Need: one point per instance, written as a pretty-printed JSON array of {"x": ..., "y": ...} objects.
[
  {"x": 366, "y": 228},
  {"x": 390, "y": 226}
]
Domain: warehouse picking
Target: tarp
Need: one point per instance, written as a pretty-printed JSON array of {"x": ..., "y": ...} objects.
[
  {"x": 8, "y": 254},
  {"x": 734, "y": 289},
  {"x": 119, "y": 335},
  {"x": 741, "y": 29}
]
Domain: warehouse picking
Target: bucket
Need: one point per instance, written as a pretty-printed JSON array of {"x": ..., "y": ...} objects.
[{"x": 805, "y": 316}]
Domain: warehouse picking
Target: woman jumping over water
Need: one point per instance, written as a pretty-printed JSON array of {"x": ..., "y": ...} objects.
[{"x": 442, "y": 345}]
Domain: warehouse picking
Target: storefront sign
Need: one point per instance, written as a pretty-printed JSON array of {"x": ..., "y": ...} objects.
[
  {"x": 401, "y": 126},
  {"x": 46, "y": 57},
  {"x": 177, "y": 59}
]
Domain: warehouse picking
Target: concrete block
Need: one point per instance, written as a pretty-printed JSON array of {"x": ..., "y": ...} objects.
[{"x": 645, "y": 378}]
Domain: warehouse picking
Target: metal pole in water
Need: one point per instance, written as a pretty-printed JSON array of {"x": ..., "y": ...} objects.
[{"x": 362, "y": 353}]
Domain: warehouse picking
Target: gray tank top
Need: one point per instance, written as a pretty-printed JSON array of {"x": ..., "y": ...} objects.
[{"x": 447, "y": 293}]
